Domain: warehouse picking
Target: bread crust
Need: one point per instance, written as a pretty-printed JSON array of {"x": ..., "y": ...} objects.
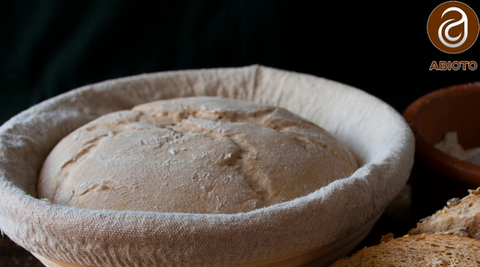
[
  {"x": 460, "y": 217},
  {"x": 418, "y": 250},
  {"x": 193, "y": 155}
]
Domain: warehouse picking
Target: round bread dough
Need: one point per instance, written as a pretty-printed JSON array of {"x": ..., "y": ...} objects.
[{"x": 193, "y": 155}]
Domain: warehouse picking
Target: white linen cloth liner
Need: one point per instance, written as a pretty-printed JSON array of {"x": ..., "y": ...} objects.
[{"x": 376, "y": 134}]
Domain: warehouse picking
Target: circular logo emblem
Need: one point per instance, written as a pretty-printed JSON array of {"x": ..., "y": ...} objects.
[{"x": 453, "y": 27}]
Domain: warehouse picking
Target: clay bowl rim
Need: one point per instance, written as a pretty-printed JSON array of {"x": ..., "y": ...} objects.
[{"x": 453, "y": 168}]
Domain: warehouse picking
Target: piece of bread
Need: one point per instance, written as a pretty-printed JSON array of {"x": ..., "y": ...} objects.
[
  {"x": 193, "y": 155},
  {"x": 459, "y": 217},
  {"x": 418, "y": 250}
]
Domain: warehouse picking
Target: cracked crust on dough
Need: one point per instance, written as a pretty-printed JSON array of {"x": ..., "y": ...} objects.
[{"x": 193, "y": 155}]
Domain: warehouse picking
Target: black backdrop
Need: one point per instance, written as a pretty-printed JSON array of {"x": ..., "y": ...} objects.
[{"x": 382, "y": 47}]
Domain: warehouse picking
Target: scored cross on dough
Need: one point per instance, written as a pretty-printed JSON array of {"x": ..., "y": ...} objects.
[{"x": 193, "y": 155}]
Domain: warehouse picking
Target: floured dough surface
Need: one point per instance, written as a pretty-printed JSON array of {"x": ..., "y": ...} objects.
[{"x": 193, "y": 155}]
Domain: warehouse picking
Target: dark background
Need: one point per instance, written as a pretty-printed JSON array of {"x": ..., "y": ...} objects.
[{"x": 382, "y": 47}]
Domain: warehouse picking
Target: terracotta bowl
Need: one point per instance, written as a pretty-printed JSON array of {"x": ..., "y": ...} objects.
[{"x": 438, "y": 176}]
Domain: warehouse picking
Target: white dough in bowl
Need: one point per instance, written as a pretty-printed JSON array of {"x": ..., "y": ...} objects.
[{"x": 193, "y": 155}]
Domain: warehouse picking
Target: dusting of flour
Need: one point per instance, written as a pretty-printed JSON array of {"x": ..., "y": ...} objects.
[
  {"x": 193, "y": 155},
  {"x": 450, "y": 145}
]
